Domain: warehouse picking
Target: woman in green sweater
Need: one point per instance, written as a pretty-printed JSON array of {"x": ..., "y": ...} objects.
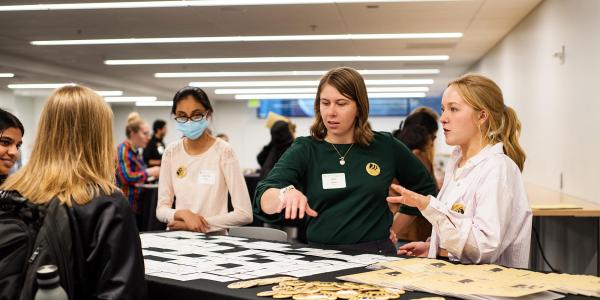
[{"x": 338, "y": 178}]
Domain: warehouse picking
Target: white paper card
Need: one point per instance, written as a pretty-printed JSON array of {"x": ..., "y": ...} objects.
[
  {"x": 333, "y": 181},
  {"x": 207, "y": 177}
]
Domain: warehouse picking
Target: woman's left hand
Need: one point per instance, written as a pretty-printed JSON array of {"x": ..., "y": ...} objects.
[
  {"x": 177, "y": 225},
  {"x": 408, "y": 197}
]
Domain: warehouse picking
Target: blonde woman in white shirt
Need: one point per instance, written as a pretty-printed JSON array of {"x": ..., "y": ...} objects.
[
  {"x": 481, "y": 214},
  {"x": 199, "y": 170}
]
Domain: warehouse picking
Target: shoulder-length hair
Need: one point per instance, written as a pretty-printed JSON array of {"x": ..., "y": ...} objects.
[
  {"x": 72, "y": 157},
  {"x": 350, "y": 84}
]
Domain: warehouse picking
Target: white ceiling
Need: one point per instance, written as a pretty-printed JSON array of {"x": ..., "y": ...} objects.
[{"x": 483, "y": 22}]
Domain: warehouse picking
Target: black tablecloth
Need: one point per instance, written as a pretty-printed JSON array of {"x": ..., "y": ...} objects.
[
  {"x": 251, "y": 182},
  {"x": 162, "y": 288},
  {"x": 147, "y": 220}
]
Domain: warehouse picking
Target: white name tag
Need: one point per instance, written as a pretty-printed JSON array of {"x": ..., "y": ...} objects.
[
  {"x": 207, "y": 177},
  {"x": 333, "y": 181}
]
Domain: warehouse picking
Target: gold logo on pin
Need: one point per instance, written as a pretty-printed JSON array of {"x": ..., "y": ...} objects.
[
  {"x": 180, "y": 172},
  {"x": 458, "y": 208},
  {"x": 373, "y": 169}
]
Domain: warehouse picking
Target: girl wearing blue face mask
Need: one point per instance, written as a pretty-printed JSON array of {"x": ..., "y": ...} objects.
[{"x": 199, "y": 170}]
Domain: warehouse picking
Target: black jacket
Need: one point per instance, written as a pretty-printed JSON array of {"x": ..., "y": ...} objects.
[
  {"x": 281, "y": 140},
  {"x": 107, "y": 250},
  {"x": 152, "y": 150}
]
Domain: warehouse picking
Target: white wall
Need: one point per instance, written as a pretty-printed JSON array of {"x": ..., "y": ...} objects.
[
  {"x": 557, "y": 104},
  {"x": 150, "y": 114},
  {"x": 247, "y": 133}
]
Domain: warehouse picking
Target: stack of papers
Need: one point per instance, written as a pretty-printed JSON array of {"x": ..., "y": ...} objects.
[{"x": 476, "y": 282}]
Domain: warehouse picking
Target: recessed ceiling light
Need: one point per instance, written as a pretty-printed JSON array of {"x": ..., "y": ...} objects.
[
  {"x": 292, "y": 83},
  {"x": 267, "y": 38},
  {"x": 38, "y": 85},
  {"x": 7, "y": 75},
  {"x": 312, "y": 96},
  {"x": 129, "y": 99},
  {"x": 233, "y": 60},
  {"x": 395, "y": 89},
  {"x": 291, "y": 73},
  {"x": 186, "y": 3}
]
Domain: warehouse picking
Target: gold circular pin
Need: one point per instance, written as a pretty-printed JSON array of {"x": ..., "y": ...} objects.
[
  {"x": 373, "y": 169},
  {"x": 181, "y": 172},
  {"x": 458, "y": 208}
]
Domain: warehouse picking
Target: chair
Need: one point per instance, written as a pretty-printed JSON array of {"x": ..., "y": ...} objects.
[{"x": 262, "y": 233}]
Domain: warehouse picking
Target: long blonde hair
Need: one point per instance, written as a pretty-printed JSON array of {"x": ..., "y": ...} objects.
[
  {"x": 502, "y": 125},
  {"x": 73, "y": 156},
  {"x": 350, "y": 84}
]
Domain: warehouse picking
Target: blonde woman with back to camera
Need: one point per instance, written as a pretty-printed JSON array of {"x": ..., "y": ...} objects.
[
  {"x": 73, "y": 160},
  {"x": 481, "y": 214}
]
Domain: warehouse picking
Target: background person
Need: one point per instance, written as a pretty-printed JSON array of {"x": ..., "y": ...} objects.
[
  {"x": 11, "y": 139},
  {"x": 131, "y": 169},
  {"x": 156, "y": 147},
  {"x": 418, "y": 132}
]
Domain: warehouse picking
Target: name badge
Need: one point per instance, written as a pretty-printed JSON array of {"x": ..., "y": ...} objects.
[
  {"x": 333, "y": 181},
  {"x": 207, "y": 177}
]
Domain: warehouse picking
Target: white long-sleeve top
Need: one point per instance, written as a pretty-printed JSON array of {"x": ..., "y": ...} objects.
[
  {"x": 495, "y": 226},
  {"x": 200, "y": 183}
]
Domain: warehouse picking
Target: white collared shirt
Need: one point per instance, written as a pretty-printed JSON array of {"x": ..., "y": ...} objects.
[{"x": 495, "y": 226}]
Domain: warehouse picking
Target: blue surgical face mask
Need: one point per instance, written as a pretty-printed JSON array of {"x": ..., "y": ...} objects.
[{"x": 191, "y": 129}]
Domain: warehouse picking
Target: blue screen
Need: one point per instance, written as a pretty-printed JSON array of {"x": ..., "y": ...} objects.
[{"x": 377, "y": 107}]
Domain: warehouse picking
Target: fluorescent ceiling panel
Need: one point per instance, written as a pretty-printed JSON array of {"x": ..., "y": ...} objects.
[
  {"x": 292, "y": 83},
  {"x": 233, "y": 60},
  {"x": 264, "y": 38},
  {"x": 154, "y": 103},
  {"x": 129, "y": 99},
  {"x": 187, "y": 3},
  {"x": 110, "y": 93},
  {"x": 291, "y": 73},
  {"x": 312, "y": 96},
  {"x": 38, "y": 85},
  {"x": 314, "y": 90}
]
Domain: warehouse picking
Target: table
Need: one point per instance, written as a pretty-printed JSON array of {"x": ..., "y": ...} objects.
[
  {"x": 543, "y": 196},
  {"x": 163, "y": 288},
  {"x": 160, "y": 288},
  {"x": 588, "y": 214}
]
